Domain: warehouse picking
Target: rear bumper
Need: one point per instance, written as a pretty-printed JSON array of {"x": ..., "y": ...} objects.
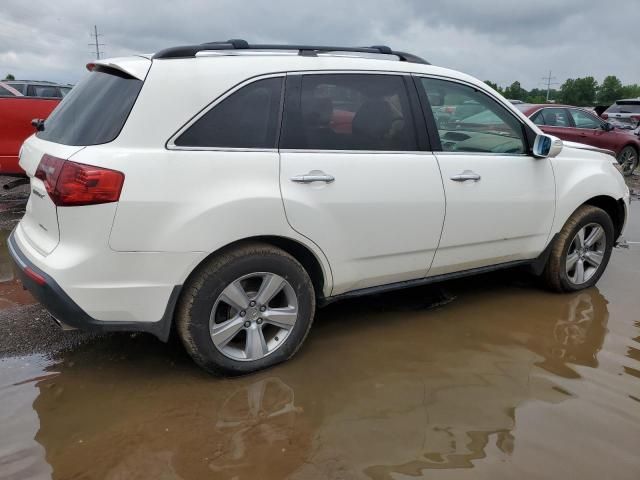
[{"x": 47, "y": 291}]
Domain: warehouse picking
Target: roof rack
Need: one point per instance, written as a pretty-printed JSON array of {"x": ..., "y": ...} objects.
[{"x": 187, "y": 51}]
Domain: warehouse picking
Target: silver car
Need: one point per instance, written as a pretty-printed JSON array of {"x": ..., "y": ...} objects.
[{"x": 624, "y": 113}]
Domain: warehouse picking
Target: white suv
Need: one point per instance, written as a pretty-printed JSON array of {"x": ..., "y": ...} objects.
[{"x": 228, "y": 189}]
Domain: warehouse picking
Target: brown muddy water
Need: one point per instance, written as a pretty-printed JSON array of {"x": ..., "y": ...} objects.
[{"x": 505, "y": 381}]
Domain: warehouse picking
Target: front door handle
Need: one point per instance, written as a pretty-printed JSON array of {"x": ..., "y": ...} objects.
[
  {"x": 313, "y": 176},
  {"x": 466, "y": 175}
]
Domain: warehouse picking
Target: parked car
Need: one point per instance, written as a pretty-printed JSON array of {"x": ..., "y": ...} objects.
[
  {"x": 16, "y": 114},
  {"x": 8, "y": 91},
  {"x": 580, "y": 125},
  {"x": 40, "y": 88},
  {"x": 232, "y": 210},
  {"x": 624, "y": 112}
]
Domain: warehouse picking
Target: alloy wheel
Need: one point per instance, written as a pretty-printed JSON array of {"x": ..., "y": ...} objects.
[
  {"x": 253, "y": 316},
  {"x": 628, "y": 160},
  {"x": 586, "y": 253}
]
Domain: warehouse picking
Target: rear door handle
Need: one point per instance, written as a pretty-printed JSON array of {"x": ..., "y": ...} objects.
[
  {"x": 313, "y": 176},
  {"x": 466, "y": 175}
]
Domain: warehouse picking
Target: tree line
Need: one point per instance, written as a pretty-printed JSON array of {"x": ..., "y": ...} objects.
[{"x": 583, "y": 92}]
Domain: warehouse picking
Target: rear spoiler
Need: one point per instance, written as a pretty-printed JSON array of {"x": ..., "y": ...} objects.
[{"x": 137, "y": 67}]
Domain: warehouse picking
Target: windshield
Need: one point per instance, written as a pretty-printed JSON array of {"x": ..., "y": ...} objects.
[{"x": 94, "y": 111}]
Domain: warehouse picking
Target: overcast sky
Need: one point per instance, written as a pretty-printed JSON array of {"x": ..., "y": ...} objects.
[{"x": 498, "y": 40}]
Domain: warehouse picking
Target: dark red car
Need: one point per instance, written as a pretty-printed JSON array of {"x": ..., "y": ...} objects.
[{"x": 578, "y": 125}]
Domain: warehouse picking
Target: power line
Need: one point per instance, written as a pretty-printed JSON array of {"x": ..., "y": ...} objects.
[
  {"x": 96, "y": 42},
  {"x": 549, "y": 82}
]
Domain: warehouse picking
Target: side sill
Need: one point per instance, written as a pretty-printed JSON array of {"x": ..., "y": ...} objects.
[{"x": 428, "y": 280}]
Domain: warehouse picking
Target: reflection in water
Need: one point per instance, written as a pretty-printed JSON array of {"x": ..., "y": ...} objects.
[{"x": 376, "y": 393}]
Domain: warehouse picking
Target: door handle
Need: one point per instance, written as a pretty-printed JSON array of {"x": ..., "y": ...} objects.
[
  {"x": 466, "y": 175},
  {"x": 313, "y": 176}
]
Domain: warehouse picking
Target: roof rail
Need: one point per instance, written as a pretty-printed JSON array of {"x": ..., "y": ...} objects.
[{"x": 187, "y": 51}]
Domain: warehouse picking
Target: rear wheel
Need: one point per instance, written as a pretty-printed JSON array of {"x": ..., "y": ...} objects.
[
  {"x": 581, "y": 251},
  {"x": 245, "y": 310},
  {"x": 629, "y": 159}
]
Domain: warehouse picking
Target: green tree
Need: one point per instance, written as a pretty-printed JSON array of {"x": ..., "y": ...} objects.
[
  {"x": 536, "y": 95},
  {"x": 9, "y": 77},
  {"x": 579, "y": 91},
  {"x": 630, "y": 91},
  {"x": 610, "y": 90},
  {"x": 494, "y": 86},
  {"x": 515, "y": 92}
]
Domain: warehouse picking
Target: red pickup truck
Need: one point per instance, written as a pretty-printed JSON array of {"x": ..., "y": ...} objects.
[{"x": 16, "y": 114}]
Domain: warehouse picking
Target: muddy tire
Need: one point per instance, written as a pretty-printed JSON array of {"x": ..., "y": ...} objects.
[
  {"x": 246, "y": 309},
  {"x": 629, "y": 157},
  {"x": 581, "y": 251}
]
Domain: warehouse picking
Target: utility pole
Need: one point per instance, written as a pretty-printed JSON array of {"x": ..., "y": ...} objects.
[
  {"x": 96, "y": 42},
  {"x": 549, "y": 82}
]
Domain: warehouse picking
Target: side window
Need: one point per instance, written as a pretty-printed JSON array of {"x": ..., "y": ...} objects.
[
  {"x": 584, "y": 120},
  {"x": 19, "y": 86},
  {"x": 248, "y": 118},
  {"x": 44, "y": 91},
  {"x": 555, "y": 117},
  {"x": 538, "y": 118},
  {"x": 468, "y": 120},
  {"x": 351, "y": 112}
]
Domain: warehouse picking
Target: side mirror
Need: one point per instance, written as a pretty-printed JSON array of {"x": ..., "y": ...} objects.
[
  {"x": 607, "y": 127},
  {"x": 38, "y": 124},
  {"x": 546, "y": 146}
]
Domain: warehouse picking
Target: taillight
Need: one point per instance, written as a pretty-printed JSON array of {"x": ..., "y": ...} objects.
[
  {"x": 74, "y": 184},
  {"x": 605, "y": 115},
  {"x": 636, "y": 118}
]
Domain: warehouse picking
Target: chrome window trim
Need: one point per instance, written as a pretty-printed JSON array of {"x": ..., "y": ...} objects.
[
  {"x": 362, "y": 152},
  {"x": 484, "y": 154},
  {"x": 170, "y": 144}
]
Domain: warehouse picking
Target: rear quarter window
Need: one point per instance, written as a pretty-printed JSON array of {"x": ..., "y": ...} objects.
[
  {"x": 248, "y": 118},
  {"x": 94, "y": 111}
]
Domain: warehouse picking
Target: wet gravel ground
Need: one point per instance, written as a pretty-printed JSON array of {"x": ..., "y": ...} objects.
[{"x": 29, "y": 329}]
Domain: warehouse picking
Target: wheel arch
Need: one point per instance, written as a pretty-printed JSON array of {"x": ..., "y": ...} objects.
[
  {"x": 320, "y": 275},
  {"x": 614, "y": 208}
]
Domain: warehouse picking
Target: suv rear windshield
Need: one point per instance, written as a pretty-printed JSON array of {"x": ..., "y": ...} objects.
[
  {"x": 94, "y": 111},
  {"x": 625, "y": 107}
]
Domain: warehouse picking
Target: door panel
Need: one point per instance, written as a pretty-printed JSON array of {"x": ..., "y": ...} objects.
[
  {"x": 500, "y": 200},
  {"x": 504, "y": 216},
  {"x": 354, "y": 180},
  {"x": 379, "y": 222}
]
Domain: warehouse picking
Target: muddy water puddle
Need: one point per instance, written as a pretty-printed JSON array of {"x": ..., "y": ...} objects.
[{"x": 505, "y": 381}]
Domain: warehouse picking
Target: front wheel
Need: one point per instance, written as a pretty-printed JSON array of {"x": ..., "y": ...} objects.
[
  {"x": 581, "y": 251},
  {"x": 245, "y": 310},
  {"x": 629, "y": 159}
]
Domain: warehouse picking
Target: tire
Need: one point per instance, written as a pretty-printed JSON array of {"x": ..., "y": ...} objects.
[
  {"x": 226, "y": 334},
  {"x": 629, "y": 159},
  {"x": 561, "y": 273}
]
